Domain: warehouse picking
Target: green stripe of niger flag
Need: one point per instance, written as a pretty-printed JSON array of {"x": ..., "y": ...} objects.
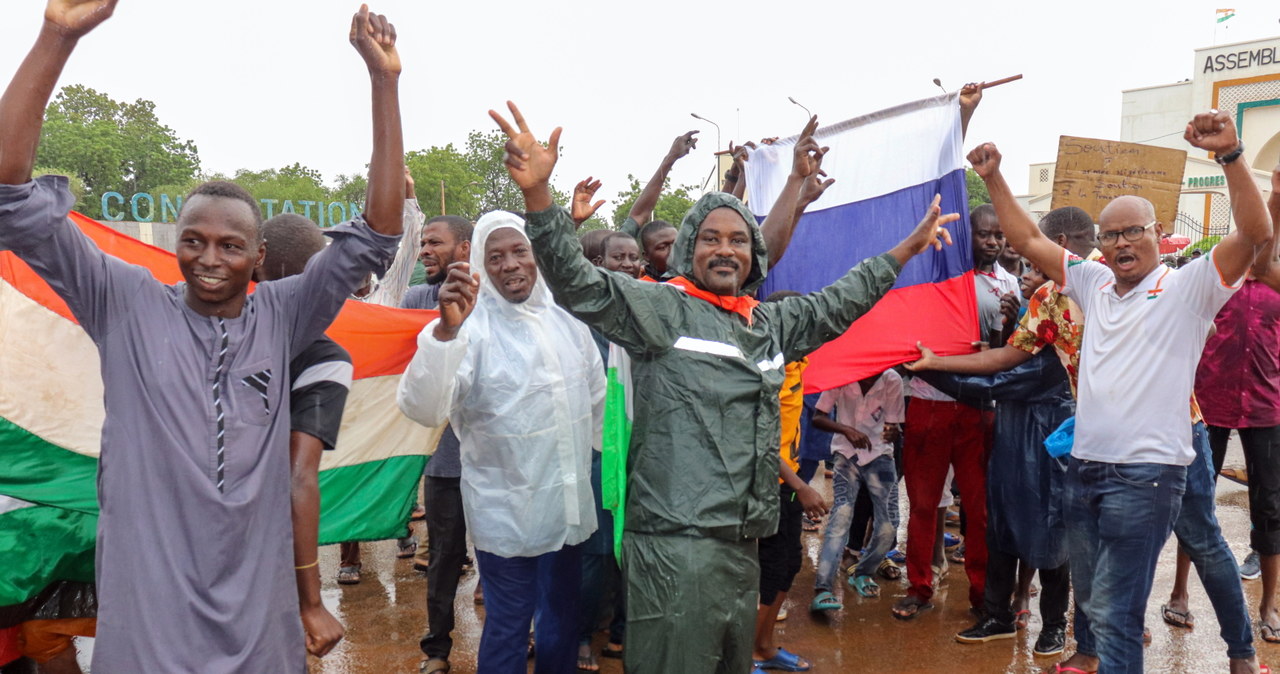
[{"x": 616, "y": 442}]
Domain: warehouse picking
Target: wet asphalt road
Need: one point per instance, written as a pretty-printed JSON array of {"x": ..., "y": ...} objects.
[{"x": 386, "y": 614}]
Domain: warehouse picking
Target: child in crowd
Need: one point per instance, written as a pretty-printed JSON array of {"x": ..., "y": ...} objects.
[{"x": 868, "y": 414}]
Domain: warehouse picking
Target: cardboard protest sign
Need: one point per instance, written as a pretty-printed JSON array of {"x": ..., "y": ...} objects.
[{"x": 1091, "y": 172}]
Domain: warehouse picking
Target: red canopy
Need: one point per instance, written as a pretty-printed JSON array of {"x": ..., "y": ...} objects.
[{"x": 1173, "y": 243}]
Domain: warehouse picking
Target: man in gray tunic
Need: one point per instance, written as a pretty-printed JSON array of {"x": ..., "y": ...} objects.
[{"x": 194, "y": 537}]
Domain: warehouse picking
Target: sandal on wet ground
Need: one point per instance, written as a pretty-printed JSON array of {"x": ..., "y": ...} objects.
[
  {"x": 888, "y": 570},
  {"x": 1021, "y": 618},
  {"x": 349, "y": 575},
  {"x": 1173, "y": 616},
  {"x": 407, "y": 547},
  {"x": 587, "y": 661},
  {"x": 866, "y": 587},
  {"x": 433, "y": 666},
  {"x": 825, "y": 601},
  {"x": 612, "y": 650},
  {"x": 1060, "y": 669},
  {"x": 1269, "y": 633},
  {"x": 785, "y": 661},
  {"x": 909, "y": 607}
]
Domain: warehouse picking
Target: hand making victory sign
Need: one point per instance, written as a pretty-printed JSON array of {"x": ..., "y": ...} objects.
[{"x": 529, "y": 162}]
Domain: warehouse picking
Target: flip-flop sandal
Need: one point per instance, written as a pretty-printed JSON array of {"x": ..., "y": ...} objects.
[
  {"x": 866, "y": 587},
  {"x": 587, "y": 663},
  {"x": 785, "y": 661},
  {"x": 1268, "y": 633},
  {"x": 407, "y": 549},
  {"x": 615, "y": 653},
  {"x": 433, "y": 666},
  {"x": 888, "y": 570},
  {"x": 1021, "y": 618},
  {"x": 1173, "y": 616},
  {"x": 916, "y": 605},
  {"x": 349, "y": 575},
  {"x": 1059, "y": 669},
  {"x": 825, "y": 601}
]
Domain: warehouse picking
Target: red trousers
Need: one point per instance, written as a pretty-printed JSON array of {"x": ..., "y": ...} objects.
[{"x": 939, "y": 435}]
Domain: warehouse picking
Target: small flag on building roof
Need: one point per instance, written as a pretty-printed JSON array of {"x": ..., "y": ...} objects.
[{"x": 1224, "y": 14}]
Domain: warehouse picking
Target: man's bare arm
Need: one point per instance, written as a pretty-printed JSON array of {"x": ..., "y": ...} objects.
[
  {"x": 322, "y": 629},
  {"x": 375, "y": 38},
  {"x": 24, "y": 101},
  {"x": 1265, "y": 268},
  {"x": 1216, "y": 132},
  {"x": 1019, "y": 229},
  {"x": 984, "y": 362},
  {"x": 642, "y": 209}
]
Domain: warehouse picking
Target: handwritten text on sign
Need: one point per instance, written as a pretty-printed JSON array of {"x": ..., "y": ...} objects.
[{"x": 1090, "y": 173}]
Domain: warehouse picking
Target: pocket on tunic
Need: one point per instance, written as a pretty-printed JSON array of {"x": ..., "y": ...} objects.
[{"x": 254, "y": 393}]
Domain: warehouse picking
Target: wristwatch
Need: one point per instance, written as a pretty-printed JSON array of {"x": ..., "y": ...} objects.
[{"x": 1231, "y": 156}]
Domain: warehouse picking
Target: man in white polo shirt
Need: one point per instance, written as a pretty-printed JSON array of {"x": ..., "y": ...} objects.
[{"x": 1146, "y": 327}]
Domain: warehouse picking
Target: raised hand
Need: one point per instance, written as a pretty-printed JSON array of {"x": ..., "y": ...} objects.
[
  {"x": 583, "y": 209},
  {"x": 682, "y": 145},
  {"x": 928, "y": 233},
  {"x": 814, "y": 185},
  {"x": 807, "y": 154},
  {"x": 74, "y": 18},
  {"x": 985, "y": 160},
  {"x": 375, "y": 38},
  {"x": 1213, "y": 131},
  {"x": 457, "y": 299},
  {"x": 409, "y": 192},
  {"x": 529, "y": 162},
  {"x": 971, "y": 96}
]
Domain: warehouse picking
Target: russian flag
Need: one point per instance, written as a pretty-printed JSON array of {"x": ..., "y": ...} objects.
[{"x": 888, "y": 165}]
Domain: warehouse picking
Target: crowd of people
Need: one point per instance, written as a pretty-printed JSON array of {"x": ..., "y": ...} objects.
[{"x": 1083, "y": 333}]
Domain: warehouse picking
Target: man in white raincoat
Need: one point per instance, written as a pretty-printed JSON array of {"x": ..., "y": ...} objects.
[{"x": 521, "y": 381}]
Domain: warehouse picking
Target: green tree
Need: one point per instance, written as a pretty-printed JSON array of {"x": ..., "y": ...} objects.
[
  {"x": 976, "y": 188},
  {"x": 672, "y": 204},
  {"x": 351, "y": 189},
  {"x": 112, "y": 146},
  {"x": 461, "y": 185},
  {"x": 298, "y": 184}
]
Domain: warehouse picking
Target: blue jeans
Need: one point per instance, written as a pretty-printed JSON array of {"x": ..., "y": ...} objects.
[
  {"x": 879, "y": 478},
  {"x": 1119, "y": 516},
  {"x": 1200, "y": 538},
  {"x": 516, "y": 591}
]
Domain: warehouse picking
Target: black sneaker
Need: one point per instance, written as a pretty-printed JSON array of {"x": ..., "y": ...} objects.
[
  {"x": 987, "y": 629},
  {"x": 1052, "y": 641},
  {"x": 1251, "y": 568}
]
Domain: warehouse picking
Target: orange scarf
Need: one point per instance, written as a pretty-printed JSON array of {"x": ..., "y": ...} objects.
[{"x": 741, "y": 305}]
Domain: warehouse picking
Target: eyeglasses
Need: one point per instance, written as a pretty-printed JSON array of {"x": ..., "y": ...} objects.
[{"x": 1130, "y": 234}]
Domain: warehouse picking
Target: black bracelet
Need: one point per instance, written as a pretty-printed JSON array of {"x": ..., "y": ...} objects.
[
  {"x": 731, "y": 177},
  {"x": 1230, "y": 156}
]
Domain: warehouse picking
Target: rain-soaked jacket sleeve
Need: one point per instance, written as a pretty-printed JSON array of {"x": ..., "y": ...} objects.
[
  {"x": 809, "y": 321},
  {"x": 435, "y": 378},
  {"x": 630, "y": 313}
]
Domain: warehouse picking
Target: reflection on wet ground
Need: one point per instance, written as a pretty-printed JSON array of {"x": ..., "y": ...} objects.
[{"x": 386, "y": 614}]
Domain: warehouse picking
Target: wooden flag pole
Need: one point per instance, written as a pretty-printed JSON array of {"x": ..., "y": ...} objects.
[{"x": 1006, "y": 80}]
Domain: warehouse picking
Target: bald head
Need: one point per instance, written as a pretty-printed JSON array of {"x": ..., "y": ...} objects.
[{"x": 1127, "y": 208}]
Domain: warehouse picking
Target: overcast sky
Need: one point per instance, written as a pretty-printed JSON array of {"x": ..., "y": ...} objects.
[{"x": 267, "y": 83}]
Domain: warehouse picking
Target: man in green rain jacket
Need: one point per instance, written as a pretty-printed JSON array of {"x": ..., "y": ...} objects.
[{"x": 707, "y": 364}]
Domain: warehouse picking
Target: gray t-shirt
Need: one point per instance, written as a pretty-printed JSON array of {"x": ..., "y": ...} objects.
[
  {"x": 195, "y": 538},
  {"x": 447, "y": 461}
]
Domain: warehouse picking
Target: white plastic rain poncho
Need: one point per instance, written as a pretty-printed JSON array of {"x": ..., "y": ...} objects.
[{"x": 523, "y": 386}]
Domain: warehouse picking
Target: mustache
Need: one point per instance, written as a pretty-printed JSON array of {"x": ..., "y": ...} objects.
[{"x": 727, "y": 261}]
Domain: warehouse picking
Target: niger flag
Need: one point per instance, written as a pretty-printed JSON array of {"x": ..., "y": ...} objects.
[{"x": 51, "y": 415}]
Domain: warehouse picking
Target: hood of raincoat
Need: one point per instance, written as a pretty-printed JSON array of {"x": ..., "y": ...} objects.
[
  {"x": 539, "y": 300},
  {"x": 681, "y": 261}
]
